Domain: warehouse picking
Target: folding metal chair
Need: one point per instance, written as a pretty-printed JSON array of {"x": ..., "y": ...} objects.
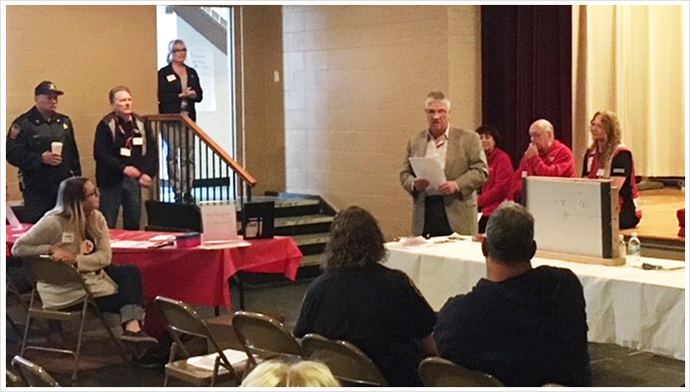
[
  {"x": 350, "y": 365},
  {"x": 201, "y": 370},
  {"x": 13, "y": 380},
  {"x": 32, "y": 374},
  {"x": 43, "y": 269},
  {"x": 440, "y": 372},
  {"x": 21, "y": 299},
  {"x": 264, "y": 337}
]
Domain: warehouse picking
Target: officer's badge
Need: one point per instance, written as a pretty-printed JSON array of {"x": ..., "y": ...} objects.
[
  {"x": 14, "y": 131},
  {"x": 64, "y": 125}
]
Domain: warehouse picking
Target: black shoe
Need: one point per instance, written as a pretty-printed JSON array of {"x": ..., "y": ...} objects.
[
  {"x": 154, "y": 357},
  {"x": 188, "y": 198},
  {"x": 138, "y": 337}
]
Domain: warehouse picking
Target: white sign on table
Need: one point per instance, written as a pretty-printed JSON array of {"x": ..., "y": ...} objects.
[{"x": 219, "y": 221}]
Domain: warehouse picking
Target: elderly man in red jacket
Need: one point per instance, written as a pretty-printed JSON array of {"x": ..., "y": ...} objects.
[{"x": 545, "y": 156}]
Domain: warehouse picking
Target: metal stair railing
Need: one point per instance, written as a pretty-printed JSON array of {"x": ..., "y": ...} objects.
[{"x": 196, "y": 161}]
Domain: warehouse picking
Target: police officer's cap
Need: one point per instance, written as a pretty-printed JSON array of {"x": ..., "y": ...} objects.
[{"x": 47, "y": 88}]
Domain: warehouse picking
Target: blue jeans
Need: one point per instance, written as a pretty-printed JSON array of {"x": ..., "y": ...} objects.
[
  {"x": 180, "y": 162},
  {"x": 126, "y": 194},
  {"x": 129, "y": 299}
]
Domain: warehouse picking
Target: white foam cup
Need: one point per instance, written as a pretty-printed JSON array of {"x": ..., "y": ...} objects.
[{"x": 56, "y": 148}]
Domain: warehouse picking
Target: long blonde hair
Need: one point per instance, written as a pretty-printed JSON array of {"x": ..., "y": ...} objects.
[
  {"x": 69, "y": 206},
  {"x": 613, "y": 136}
]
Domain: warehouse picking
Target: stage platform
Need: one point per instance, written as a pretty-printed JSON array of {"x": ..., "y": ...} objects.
[{"x": 658, "y": 229}]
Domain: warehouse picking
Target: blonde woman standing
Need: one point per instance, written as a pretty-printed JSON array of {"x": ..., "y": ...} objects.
[{"x": 179, "y": 89}]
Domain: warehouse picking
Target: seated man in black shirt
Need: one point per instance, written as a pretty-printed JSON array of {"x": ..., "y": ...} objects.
[
  {"x": 377, "y": 309},
  {"x": 526, "y": 326}
]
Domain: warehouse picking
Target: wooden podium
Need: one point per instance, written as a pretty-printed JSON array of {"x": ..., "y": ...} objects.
[{"x": 575, "y": 219}]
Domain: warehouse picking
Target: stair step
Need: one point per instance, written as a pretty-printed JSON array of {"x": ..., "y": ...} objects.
[
  {"x": 311, "y": 239},
  {"x": 311, "y": 260},
  {"x": 280, "y": 203},
  {"x": 302, "y": 220}
]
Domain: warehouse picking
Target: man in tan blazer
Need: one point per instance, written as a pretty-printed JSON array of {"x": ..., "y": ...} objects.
[{"x": 451, "y": 207}]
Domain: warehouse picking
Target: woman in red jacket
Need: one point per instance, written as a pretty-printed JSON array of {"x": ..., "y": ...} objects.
[{"x": 497, "y": 189}]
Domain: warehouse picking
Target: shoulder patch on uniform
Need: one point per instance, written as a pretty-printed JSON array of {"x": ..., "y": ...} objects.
[{"x": 15, "y": 130}]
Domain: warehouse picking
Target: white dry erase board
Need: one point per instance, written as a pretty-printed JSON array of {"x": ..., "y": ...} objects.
[{"x": 573, "y": 215}]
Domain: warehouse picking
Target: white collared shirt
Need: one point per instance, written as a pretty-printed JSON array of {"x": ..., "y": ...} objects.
[{"x": 437, "y": 147}]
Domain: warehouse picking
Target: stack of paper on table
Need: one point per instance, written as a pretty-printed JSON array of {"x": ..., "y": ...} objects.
[{"x": 208, "y": 361}]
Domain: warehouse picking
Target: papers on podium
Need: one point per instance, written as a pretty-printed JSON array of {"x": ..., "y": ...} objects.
[{"x": 429, "y": 169}]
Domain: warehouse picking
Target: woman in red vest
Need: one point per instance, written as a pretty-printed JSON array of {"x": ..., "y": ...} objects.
[
  {"x": 497, "y": 189},
  {"x": 607, "y": 157}
]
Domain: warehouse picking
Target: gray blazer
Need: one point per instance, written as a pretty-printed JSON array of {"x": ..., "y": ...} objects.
[{"x": 465, "y": 164}]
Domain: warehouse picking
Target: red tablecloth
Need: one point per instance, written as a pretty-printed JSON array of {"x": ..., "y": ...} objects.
[
  {"x": 195, "y": 275},
  {"x": 11, "y": 235},
  {"x": 198, "y": 275}
]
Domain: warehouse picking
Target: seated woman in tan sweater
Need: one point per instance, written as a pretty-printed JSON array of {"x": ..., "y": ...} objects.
[{"x": 76, "y": 233}]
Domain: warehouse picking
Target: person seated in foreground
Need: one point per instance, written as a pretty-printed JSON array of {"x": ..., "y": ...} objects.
[
  {"x": 373, "y": 307},
  {"x": 303, "y": 374},
  {"x": 525, "y": 326},
  {"x": 76, "y": 233}
]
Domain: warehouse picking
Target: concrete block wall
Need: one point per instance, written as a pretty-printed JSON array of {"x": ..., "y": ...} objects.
[
  {"x": 355, "y": 81},
  {"x": 85, "y": 51}
]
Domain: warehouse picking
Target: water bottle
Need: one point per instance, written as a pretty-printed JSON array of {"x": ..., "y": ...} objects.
[
  {"x": 621, "y": 246},
  {"x": 634, "y": 250}
]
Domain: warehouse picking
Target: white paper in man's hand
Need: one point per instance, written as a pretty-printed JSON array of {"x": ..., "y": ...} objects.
[{"x": 429, "y": 169}]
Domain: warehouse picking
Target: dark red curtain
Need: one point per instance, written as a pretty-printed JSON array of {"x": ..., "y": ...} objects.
[{"x": 526, "y": 71}]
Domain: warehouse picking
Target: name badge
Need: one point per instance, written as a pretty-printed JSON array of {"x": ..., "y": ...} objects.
[
  {"x": 125, "y": 152},
  {"x": 137, "y": 141},
  {"x": 67, "y": 238},
  {"x": 600, "y": 173},
  {"x": 171, "y": 77}
]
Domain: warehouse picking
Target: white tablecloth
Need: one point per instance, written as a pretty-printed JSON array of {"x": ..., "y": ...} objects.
[{"x": 626, "y": 305}]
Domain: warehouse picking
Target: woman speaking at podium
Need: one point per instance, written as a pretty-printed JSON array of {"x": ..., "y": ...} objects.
[{"x": 607, "y": 157}]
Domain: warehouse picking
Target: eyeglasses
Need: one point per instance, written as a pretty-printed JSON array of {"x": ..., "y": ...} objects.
[
  {"x": 95, "y": 192},
  {"x": 179, "y": 50}
]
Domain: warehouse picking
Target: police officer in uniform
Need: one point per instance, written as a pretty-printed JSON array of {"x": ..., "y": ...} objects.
[{"x": 41, "y": 144}]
